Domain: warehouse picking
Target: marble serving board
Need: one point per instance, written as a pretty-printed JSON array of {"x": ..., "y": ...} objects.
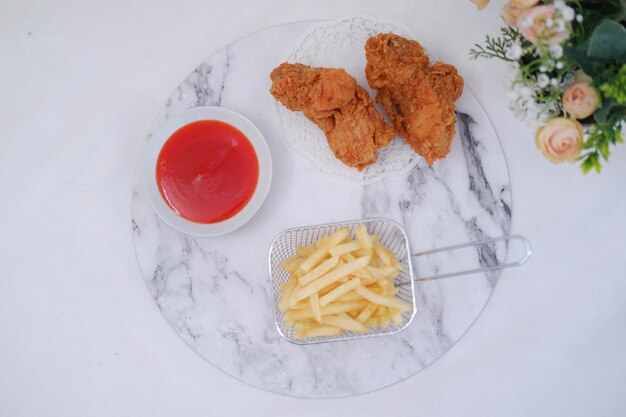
[{"x": 215, "y": 292}]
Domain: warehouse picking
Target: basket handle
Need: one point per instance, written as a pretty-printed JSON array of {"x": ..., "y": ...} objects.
[{"x": 519, "y": 262}]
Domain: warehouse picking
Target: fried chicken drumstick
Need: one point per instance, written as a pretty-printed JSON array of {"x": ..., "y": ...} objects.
[
  {"x": 332, "y": 99},
  {"x": 417, "y": 97}
]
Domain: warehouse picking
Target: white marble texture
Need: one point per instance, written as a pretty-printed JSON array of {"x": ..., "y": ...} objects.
[{"x": 215, "y": 291}]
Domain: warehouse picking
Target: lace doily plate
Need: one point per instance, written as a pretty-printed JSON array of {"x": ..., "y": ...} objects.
[{"x": 340, "y": 44}]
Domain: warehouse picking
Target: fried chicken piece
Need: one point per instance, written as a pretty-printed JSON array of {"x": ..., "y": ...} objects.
[
  {"x": 332, "y": 99},
  {"x": 417, "y": 97}
]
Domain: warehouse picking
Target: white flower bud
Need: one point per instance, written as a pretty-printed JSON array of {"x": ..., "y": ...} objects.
[
  {"x": 515, "y": 52},
  {"x": 568, "y": 13},
  {"x": 556, "y": 51},
  {"x": 560, "y": 25}
]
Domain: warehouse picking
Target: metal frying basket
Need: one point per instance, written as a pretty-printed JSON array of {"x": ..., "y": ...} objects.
[{"x": 391, "y": 235}]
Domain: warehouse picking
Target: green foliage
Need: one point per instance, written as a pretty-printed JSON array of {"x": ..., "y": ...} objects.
[
  {"x": 611, "y": 9},
  {"x": 616, "y": 88},
  {"x": 496, "y": 47},
  {"x": 580, "y": 57},
  {"x": 597, "y": 46},
  {"x": 608, "y": 42},
  {"x": 601, "y": 136}
]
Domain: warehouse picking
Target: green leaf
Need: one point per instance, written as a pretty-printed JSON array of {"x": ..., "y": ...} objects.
[
  {"x": 603, "y": 112},
  {"x": 604, "y": 150},
  {"x": 608, "y": 41},
  {"x": 612, "y": 9},
  {"x": 586, "y": 165},
  {"x": 591, "y": 20},
  {"x": 580, "y": 57}
]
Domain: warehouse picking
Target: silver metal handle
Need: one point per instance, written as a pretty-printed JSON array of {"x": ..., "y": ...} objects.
[{"x": 521, "y": 261}]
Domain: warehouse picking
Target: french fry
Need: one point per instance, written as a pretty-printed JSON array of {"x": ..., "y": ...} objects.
[
  {"x": 383, "y": 284},
  {"x": 333, "y": 308},
  {"x": 301, "y": 327},
  {"x": 339, "y": 283},
  {"x": 396, "y": 317},
  {"x": 330, "y": 288},
  {"x": 323, "y": 331},
  {"x": 301, "y": 304},
  {"x": 364, "y": 239},
  {"x": 338, "y": 236},
  {"x": 363, "y": 273},
  {"x": 384, "y": 321},
  {"x": 381, "y": 300},
  {"x": 339, "y": 291},
  {"x": 322, "y": 241},
  {"x": 362, "y": 252},
  {"x": 292, "y": 296},
  {"x": 351, "y": 296},
  {"x": 330, "y": 278},
  {"x": 301, "y": 251},
  {"x": 381, "y": 272},
  {"x": 290, "y": 264},
  {"x": 285, "y": 294},
  {"x": 318, "y": 271},
  {"x": 382, "y": 255},
  {"x": 348, "y": 257},
  {"x": 371, "y": 322},
  {"x": 394, "y": 261},
  {"x": 313, "y": 259},
  {"x": 381, "y": 311},
  {"x": 344, "y": 248},
  {"x": 366, "y": 313},
  {"x": 344, "y": 322},
  {"x": 315, "y": 307}
]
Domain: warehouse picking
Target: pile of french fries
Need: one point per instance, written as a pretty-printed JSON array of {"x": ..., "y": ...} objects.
[{"x": 341, "y": 284}]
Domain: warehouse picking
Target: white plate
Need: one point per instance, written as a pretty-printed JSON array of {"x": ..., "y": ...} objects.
[{"x": 163, "y": 134}]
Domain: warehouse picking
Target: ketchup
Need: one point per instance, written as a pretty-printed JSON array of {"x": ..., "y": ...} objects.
[{"x": 207, "y": 171}]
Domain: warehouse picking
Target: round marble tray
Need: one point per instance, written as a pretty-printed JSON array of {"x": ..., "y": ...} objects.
[{"x": 215, "y": 291}]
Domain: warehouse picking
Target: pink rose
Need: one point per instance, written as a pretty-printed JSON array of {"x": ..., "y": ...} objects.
[
  {"x": 560, "y": 139},
  {"x": 580, "y": 99},
  {"x": 510, "y": 14},
  {"x": 534, "y": 25},
  {"x": 480, "y": 4},
  {"x": 523, "y": 4}
]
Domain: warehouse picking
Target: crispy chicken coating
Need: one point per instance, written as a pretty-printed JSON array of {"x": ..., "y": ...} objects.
[
  {"x": 418, "y": 97},
  {"x": 333, "y": 100}
]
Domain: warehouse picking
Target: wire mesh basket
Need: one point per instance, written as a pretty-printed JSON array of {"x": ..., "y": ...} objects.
[{"x": 390, "y": 234}]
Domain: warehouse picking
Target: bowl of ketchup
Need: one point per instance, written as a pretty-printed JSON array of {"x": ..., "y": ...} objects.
[{"x": 207, "y": 171}]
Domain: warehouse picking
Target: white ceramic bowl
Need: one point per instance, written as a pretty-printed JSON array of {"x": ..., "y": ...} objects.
[{"x": 163, "y": 134}]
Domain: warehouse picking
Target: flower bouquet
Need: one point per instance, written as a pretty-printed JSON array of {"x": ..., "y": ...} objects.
[{"x": 568, "y": 61}]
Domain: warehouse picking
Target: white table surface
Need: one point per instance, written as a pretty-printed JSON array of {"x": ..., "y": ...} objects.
[{"x": 81, "y": 82}]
